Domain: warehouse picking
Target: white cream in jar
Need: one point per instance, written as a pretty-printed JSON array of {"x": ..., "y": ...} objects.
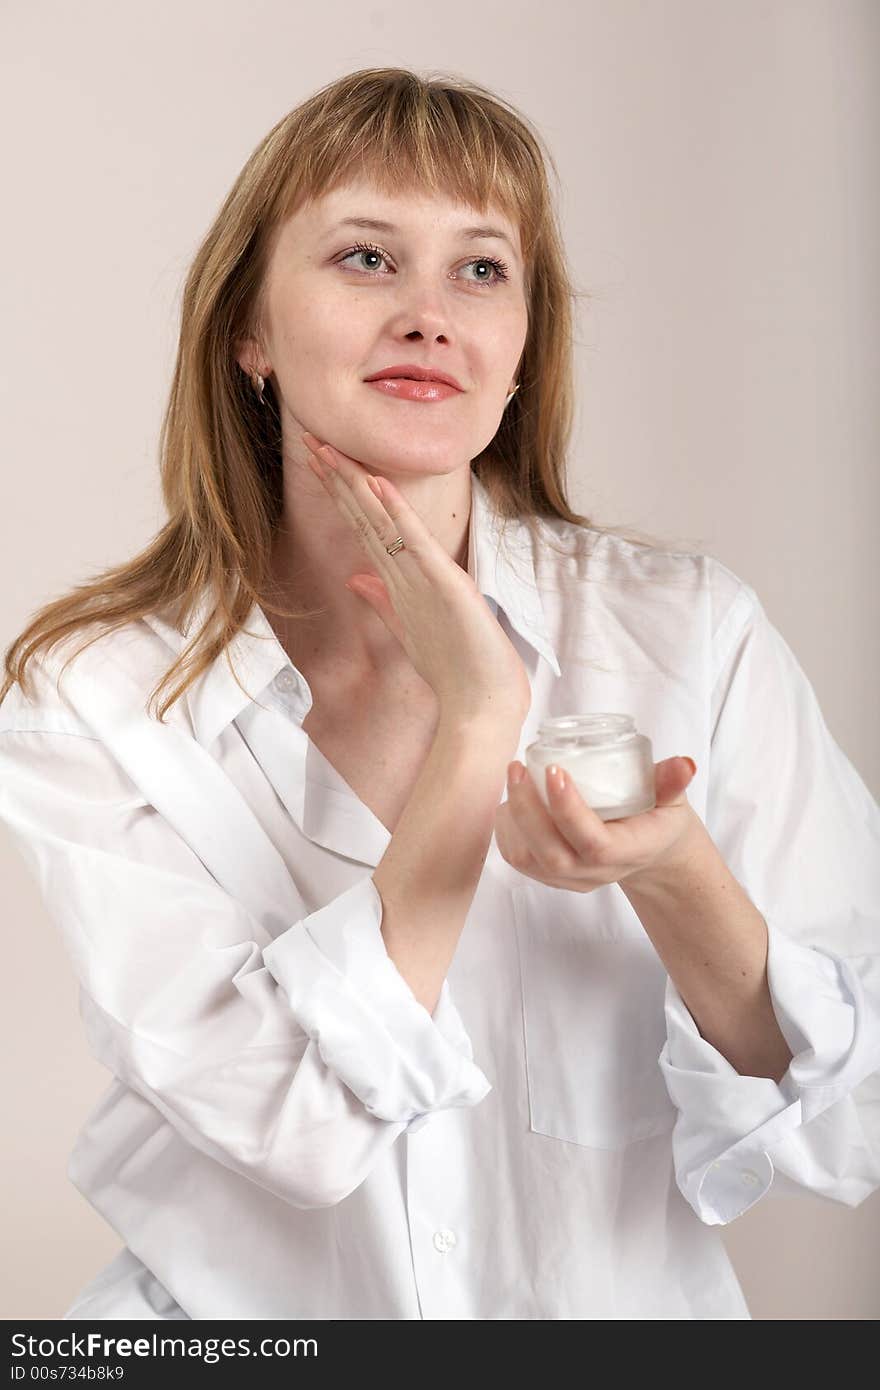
[{"x": 609, "y": 762}]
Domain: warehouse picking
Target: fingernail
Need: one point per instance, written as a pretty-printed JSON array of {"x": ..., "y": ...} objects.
[
  {"x": 327, "y": 455},
  {"x": 557, "y": 777},
  {"x": 515, "y": 774},
  {"x": 692, "y": 763}
]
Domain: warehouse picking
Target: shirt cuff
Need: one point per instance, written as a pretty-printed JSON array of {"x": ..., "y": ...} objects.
[
  {"x": 350, "y": 998},
  {"x": 727, "y": 1122}
]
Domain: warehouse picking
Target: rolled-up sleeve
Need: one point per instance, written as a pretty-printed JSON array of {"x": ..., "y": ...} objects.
[
  {"x": 295, "y": 1061},
  {"x": 348, "y": 995},
  {"x": 800, "y": 831}
]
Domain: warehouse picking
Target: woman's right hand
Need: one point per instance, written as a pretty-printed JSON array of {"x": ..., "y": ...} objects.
[{"x": 428, "y": 602}]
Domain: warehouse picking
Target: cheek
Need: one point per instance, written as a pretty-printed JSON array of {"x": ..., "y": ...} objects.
[
  {"x": 324, "y": 344},
  {"x": 498, "y": 343},
  {"x": 516, "y": 329}
]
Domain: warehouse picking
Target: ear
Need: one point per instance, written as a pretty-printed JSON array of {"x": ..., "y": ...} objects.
[{"x": 248, "y": 357}]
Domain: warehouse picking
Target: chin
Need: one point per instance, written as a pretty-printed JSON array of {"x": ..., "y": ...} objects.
[{"x": 431, "y": 463}]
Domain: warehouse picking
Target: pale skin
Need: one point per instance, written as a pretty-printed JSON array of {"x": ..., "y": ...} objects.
[
  {"x": 334, "y": 318},
  {"x": 705, "y": 928},
  {"x": 710, "y": 936}
]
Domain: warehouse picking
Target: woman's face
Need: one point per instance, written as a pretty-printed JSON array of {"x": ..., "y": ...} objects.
[{"x": 427, "y": 296}]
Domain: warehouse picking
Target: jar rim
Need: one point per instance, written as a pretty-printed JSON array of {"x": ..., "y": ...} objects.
[{"x": 588, "y": 728}]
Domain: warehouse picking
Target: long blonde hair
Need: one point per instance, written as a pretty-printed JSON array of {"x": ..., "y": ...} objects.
[{"x": 220, "y": 450}]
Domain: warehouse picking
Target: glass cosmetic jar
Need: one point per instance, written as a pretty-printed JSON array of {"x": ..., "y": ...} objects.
[{"x": 609, "y": 762}]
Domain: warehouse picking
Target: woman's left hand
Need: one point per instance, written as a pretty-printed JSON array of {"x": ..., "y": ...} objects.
[{"x": 571, "y": 847}]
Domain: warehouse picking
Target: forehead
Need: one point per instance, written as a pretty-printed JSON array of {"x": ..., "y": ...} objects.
[{"x": 404, "y": 211}]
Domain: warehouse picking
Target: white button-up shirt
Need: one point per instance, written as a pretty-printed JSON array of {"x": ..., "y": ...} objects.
[{"x": 288, "y": 1132}]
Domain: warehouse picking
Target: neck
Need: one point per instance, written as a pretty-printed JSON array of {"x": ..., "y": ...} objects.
[{"x": 315, "y": 550}]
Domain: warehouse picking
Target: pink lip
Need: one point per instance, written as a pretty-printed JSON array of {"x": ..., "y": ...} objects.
[
  {"x": 406, "y": 390},
  {"x": 417, "y": 373}
]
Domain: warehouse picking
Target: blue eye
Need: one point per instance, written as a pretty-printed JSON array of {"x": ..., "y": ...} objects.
[{"x": 501, "y": 270}]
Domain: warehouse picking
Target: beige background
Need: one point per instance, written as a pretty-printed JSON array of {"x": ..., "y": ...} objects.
[{"x": 719, "y": 170}]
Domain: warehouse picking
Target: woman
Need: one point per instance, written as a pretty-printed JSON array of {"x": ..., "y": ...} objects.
[{"x": 380, "y": 1046}]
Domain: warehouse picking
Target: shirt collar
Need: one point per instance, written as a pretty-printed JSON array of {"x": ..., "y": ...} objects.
[{"x": 504, "y": 573}]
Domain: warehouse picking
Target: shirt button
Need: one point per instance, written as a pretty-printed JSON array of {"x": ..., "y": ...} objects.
[
  {"x": 749, "y": 1177},
  {"x": 444, "y": 1240},
  {"x": 287, "y": 680}
]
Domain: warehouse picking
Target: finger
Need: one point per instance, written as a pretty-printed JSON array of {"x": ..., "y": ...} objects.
[
  {"x": 421, "y": 543},
  {"x": 511, "y": 845},
  {"x": 622, "y": 840},
  {"x": 537, "y": 829},
  {"x": 361, "y": 507},
  {"x": 354, "y": 489},
  {"x": 569, "y": 827},
  {"x": 354, "y": 476}
]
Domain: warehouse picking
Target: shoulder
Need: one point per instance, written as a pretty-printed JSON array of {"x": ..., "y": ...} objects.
[
  {"x": 86, "y": 670},
  {"x": 585, "y": 560}
]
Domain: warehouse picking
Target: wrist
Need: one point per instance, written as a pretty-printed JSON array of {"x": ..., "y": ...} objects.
[
  {"x": 493, "y": 727},
  {"x": 692, "y": 855}
]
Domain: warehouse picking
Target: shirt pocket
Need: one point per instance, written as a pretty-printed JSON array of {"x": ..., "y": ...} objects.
[{"x": 593, "y": 992}]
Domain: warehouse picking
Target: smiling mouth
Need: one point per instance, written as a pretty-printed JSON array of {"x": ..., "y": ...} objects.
[
  {"x": 414, "y": 389},
  {"x": 405, "y": 372}
]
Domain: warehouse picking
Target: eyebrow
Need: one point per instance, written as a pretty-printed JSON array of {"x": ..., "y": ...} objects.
[{"x": 472, "y": 233}]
